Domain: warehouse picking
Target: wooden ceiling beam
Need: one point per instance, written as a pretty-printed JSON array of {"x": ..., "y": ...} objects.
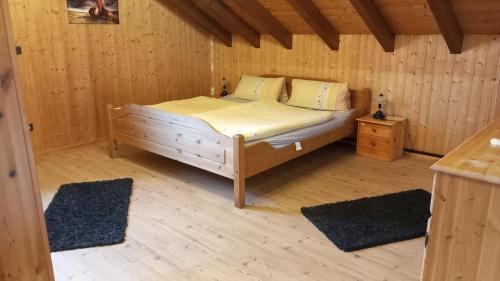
[
  {"x": 318, "y": 22},
  {"x": 188, "y": 11},
  {"x": 226, "y": 17},
  {"x": 448, "y": 23},
  {"x": 259, "y": 13},
  {"x": 376, "y": 22}
]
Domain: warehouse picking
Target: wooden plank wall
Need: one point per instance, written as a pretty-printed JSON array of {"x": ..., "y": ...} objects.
[
  {"x": 445, "y": 97},
  {"x": 70, "y": 72},
  {"x": 497, "y": 111}
]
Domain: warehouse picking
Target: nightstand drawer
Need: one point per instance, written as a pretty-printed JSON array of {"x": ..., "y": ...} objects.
[
  {"x": 372, "y": 142},
  {"x": 377, "y": 130},
  {"x": 373, "y": 153}
]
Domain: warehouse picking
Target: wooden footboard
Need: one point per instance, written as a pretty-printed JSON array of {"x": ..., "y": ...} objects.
[{"x": 182, "y": 138}]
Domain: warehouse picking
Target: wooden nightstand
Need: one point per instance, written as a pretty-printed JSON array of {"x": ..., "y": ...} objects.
[{"x": 381, "y": 139}]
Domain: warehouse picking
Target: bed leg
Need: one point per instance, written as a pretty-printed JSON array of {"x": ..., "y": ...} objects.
[
  {"x": 239, "y": 193},
  {"x": 239, "y": 171},
  {"x": 113, "y": 143},
  {"x": 113, "y": 148}
]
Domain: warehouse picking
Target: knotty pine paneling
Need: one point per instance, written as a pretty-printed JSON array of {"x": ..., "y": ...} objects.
[
  {"x": 408, "y": 16},
  {"x": 71, "y": 71},
  {"x": 446, "y": 98},
  {"x": 404, "y": 16},
  {"x": 478, "y": 16},
  {"x": 497, "y": 111}
]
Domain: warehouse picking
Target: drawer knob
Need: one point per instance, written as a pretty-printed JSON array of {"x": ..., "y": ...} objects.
[
  {"x": 374, "y": 130},
  {"x": 5, "y": 79},
  {"x": 12, "y": 174}
]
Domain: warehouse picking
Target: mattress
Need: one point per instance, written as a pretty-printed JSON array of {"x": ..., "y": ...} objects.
[
  {"x": 276, "y": 123},
  {"x": 339, "y": 119},
  {"x": 261, "y": 119},
  {"x": 282, "y": 140}
]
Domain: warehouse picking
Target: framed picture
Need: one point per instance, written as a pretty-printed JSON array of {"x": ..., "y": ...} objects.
[{"x": 93, "y": 11}]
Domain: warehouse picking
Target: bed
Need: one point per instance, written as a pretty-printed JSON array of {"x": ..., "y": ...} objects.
[{"x": 195, "y": 142}]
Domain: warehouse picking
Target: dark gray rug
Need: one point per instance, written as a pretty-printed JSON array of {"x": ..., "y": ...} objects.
[
  {"x": 375, "y": 221},
  {"x": 88, "y": 214}
]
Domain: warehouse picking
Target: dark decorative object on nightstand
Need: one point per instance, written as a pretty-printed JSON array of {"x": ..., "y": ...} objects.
[
  {"x": 381, "y": 102},
  {"x": 224, "y": 92}
]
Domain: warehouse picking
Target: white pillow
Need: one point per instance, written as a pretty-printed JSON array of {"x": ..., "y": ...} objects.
[
  {"x": 259, "y": 88},
  {"x": 320, "y": 95}
]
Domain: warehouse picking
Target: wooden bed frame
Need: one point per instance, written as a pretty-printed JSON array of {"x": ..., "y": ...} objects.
[{"x": 194, "y": 142}]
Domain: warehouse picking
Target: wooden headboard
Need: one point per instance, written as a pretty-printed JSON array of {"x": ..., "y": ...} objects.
[{"x": 360, "y": 99}]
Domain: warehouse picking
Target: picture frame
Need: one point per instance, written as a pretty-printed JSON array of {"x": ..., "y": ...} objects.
[{"x": 93, "y": 11}]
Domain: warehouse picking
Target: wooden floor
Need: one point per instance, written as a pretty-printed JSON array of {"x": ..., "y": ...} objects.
[{"x": 183, "y": 226}]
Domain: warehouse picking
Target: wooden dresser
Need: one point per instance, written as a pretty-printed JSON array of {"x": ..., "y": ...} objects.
[
  {"x": 464, "y": 230},
  {"x": 381, "y": 139}
]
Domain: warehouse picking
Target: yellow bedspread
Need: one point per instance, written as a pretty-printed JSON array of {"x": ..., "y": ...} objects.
[
  {"x": 254, "y": 120},
  {"x": 193, "y": 105}
]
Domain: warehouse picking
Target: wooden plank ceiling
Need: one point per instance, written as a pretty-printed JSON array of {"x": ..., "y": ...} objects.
[{"x": 328, "y": 18}]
